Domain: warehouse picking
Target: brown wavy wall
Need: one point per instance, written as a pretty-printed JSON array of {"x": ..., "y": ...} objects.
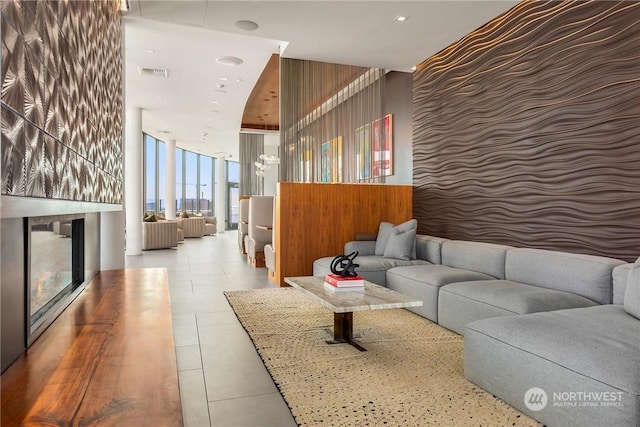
[{"x": 527, "y": 131}]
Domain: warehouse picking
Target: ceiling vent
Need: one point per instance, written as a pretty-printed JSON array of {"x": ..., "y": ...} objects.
[{"x": 158, "y": 72}]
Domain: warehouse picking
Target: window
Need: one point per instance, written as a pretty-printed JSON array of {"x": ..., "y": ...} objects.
[
  {"x": 191, "y": 182},
  {"x": 206, "y": 171},
  {"x": 195, "y": 180},
  {"x": 149, "y": 174},
  {"x": 162, "y": 177},
  {"x": 179, "y": 181}
]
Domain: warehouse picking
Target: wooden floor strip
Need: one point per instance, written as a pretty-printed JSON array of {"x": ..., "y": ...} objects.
[{"x": 108, "y": 360}]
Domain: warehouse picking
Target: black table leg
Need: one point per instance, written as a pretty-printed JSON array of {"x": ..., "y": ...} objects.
[{"x": 343, "y": 330}]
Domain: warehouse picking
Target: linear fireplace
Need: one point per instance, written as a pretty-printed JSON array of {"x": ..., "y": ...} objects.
[{"x": 55, "y": 268}]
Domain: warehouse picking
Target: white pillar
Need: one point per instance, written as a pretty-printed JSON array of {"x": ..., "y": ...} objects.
[
  {"x": 133, "y": 180},
  {"x": 221, "y": 196},
  {"x": 170, "y": 179},
  {"x": 112, "y": 240}
]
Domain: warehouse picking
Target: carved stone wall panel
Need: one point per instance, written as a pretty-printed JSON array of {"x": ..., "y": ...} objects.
[
  {"x": 13, "y": 152},
  {"x": 527, "y": 131},
  {"x": 62, "y": 94}
]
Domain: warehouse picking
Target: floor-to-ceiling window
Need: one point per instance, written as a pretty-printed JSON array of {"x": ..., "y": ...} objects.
[
  {"x": 179, "y": 180},
  {"x": 233, "y": 194},
  {"x": 206, "y": 173},
  {"x": 162, "y": 176},
  {"x": 149, "y": 173},
  {"x": 195, "y": 180},
  {"x": 191, "y": 182}
]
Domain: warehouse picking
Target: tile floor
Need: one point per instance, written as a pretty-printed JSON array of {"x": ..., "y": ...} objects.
[{"x": 223, "y": 382}]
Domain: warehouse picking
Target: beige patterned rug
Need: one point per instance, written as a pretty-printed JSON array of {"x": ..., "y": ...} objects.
[{"x": 411, "y": 375}]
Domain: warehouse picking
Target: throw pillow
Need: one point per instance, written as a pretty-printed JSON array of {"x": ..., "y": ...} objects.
[
  {"x": 384, "y": 233},
  {"x": 632, "y": 293},
  {"x": 199, "y": 214},
  {"x": 184, "y": 214},
  {"x": 400, "y": 244},
  {"x": 151, "y": 218}
]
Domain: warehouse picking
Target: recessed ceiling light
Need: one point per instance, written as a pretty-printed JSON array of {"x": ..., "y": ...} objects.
[
  {"x": 239, "y": 80},
  {"x": 246, "y": 25},
  {"x": 150, "y": 51},
  {"x": 220, "y": 91},
  {"x": 401, "y": 18},
  {"x": 157, "y": 97},
  {"x": 224, "y": 79},
  {"x": 228, "y": 60},
  {"x": 215, "y": 102},
  {"x": 219, "y": 85}
]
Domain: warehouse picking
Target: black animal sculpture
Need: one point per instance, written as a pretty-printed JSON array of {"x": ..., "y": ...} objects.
[{"x": 343, "y": 265}]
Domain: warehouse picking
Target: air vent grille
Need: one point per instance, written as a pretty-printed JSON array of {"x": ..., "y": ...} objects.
[{"x": 157, "y": 72}]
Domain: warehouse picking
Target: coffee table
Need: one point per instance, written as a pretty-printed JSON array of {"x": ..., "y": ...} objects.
[{"x": 344, "y": 303}]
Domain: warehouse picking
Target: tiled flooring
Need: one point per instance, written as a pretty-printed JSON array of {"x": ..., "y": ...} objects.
[{"x": 223, "y": 382}]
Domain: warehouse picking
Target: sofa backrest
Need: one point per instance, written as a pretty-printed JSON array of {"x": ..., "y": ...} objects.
[
  {"x": 429, "y": 248},
  {"x": 586, "y": 275},
  {"x": 487, "y": 258},
  {"x": 260, "y": 214},
  {"x": 620, "y": 276}
]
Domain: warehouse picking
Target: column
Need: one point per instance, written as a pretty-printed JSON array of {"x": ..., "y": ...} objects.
[
  {"x": 221, "y": 195},
  {"x": 133, "y": 180},
  {"x": 170, "y": 179},
  {"x": 112, "y": 244}
]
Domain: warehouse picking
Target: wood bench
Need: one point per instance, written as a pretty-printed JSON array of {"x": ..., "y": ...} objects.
[{"x": 109, "y": 359}]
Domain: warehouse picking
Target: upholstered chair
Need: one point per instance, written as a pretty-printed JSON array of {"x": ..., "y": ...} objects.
[
  {"x": 192, "y": 226},
  {"x": 260, "y": 223},
  {"x": 270, "y": 249},
  {"x": 210, "y": 225},
  {"x": 243, "y": 223},
  {"x": 159, "y": 235}
]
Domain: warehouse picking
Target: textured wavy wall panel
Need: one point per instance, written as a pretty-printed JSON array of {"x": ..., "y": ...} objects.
[
  {"x": 62, "y": 100},
  {"x": 527, "y": 131}
]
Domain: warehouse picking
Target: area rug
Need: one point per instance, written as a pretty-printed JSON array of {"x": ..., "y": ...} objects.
[{"x": 410, "y": 375}]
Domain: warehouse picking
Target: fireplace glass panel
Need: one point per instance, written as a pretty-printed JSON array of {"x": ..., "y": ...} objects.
[{"x": 51, "y": 266}]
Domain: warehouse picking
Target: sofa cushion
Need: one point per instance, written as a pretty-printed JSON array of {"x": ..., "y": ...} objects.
[
  {"x": 484, "y": 258},
  {"x": 424, "y": 282},
  {"x": 620, "y": 276},
  {"x": 600, "y": 342},
  {"x": 593, "y": 349},
  {"x": 384, "y": 233},
  {"x": 429, "y": 248},
  {"x": 586, "y": 275},
  {"x": 464, "y": 302},
  {"x": 632, "y": 293},
  {"x": 401, "y": 244}
]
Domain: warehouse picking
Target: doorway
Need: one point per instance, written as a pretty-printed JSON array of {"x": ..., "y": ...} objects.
[{"x": 233, "y": 197}]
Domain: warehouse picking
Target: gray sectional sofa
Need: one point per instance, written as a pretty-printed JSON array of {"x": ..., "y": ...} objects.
[{"x": 531, "y": 318}]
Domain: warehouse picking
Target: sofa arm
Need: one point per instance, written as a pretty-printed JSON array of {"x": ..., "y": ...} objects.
[{"x": 364, "y": 247}]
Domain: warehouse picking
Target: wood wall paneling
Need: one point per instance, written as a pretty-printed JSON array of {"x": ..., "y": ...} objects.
[
  {"x": 526, "y": 131},
  {"x": 316, "y": 220}
]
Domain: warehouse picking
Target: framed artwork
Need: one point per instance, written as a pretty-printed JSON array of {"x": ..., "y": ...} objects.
[
  {"x": 331, "y": 161},
  {"x": 382, "y": 137},
  {"x": 363, "y": 152},
  {"x": 325, "y": 165}
]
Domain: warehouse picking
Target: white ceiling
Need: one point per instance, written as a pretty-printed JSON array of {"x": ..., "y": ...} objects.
[{"x": 187, "y": 36}]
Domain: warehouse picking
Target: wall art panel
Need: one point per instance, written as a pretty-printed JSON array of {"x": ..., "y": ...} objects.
[
  {"x": 527, "y": 131},
  {"x": 62, "y": 87}
]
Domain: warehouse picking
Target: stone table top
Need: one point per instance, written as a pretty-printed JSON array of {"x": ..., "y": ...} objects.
[{"x": 372, "y": 297}]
